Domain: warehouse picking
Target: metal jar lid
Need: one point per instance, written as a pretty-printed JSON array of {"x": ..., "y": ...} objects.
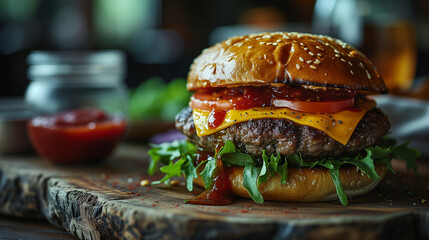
[{"x": 50, "y": 63}]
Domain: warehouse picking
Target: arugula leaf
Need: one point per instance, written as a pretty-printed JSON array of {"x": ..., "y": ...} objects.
[
  {"x": 228, "y": 147},
  {"x": 263, "y": 174},
  {"x": 237, "y": 159},
  {"x": 171, "y": 170},
  {"x": 366, "y": 165},
  {"x": 178, "y": 158},
  {"x": 190, "y": 172},
  {"x": 250, "y": 176},
  {"x": 334, "y": 170},
  {"x": 282, "y": 171},
  {"x": 208, "y": 173}
]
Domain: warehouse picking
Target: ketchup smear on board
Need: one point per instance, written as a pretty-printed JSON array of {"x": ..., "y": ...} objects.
[
  {"x": 221, "y": 191},
  {"x": 84, "y": 135}
]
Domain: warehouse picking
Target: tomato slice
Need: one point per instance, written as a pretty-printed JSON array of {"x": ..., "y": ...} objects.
[
  {"x": 206, "y": 101},
  {"x": 315, "y": 107}
]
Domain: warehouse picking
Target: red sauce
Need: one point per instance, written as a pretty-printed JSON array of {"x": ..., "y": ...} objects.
[
  {"x": 216, "y": 118},
  {"x": 85, "y": 135},
  {"x": 242, "y": 98},
  {"x": 221, "y": 192},
  {"x": 219, "y": 100}
]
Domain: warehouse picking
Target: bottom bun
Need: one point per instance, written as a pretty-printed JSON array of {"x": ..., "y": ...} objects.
[{"x": 306, "y": 184}]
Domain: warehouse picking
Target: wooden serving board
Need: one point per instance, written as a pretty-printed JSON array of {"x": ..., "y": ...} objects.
[{"x": 107, "y": 202}]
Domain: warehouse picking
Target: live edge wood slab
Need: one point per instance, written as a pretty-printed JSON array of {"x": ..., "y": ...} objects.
[{"x": 107, "y": 202}]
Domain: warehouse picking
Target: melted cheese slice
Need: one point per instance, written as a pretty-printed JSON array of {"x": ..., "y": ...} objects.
[{"x": 339, "y": 125}]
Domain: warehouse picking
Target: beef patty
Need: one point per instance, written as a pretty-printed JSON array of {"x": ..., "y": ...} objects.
[{"x": 287, "y": 137}]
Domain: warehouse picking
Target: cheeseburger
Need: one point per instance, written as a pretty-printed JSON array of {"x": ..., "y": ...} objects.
[{"x": 280, "y": 116}]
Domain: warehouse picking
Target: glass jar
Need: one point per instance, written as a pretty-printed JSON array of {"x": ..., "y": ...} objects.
[{"x": 72, "y": 80}]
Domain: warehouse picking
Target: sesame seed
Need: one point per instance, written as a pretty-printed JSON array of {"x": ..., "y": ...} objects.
[
  {"x": 306, "y": 48},
  {"x": 265, "y": 56},
  {"x": 314, "y": 182},
  {"x": 249, "y": 47},
  {"x": 317, "y": 61},
  {"x": 239, "y": 44},
  {"x": 367, "y": 74},
  {"x": 359, "y": 182},
  {"x": 275, "y": 44},
  {"x": 319, "y": 54},
  {"x": 298, "y": 66},
  {"x": 267, "y": 36},
  {"x": 309, "y": 61},
  {"x": 302, "y": 44},
  {"x": 313, "y": 67},
  {"x": 261, "y": 43},
  {"x": 311, "y": 53},
  {"x": 337, "y": 55},
  {"x": 301, "y": 59},
  {"x": 343, "y": 60},
  {"x": 174, "y": 182},
  {"x": 144, "y": 183},
  {"x": 361, "y": 65},
  {"x": 335, "y": 50},
  {"x": 319, "y": 47},
  {"x": 351, "y": 71},
  {"x": 352, "y": 183},
  {"x": 268, "y": 43},
  {"x": 350, "y": 63}
]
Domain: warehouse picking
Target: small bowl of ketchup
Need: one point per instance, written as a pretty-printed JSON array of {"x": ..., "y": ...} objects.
[{"x": 76, "y": 136}]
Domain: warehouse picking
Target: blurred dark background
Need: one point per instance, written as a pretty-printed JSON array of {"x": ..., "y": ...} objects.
[{"x": 161, "y": 38}]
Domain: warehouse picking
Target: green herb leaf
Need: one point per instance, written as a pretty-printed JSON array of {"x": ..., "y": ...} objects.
[
  {"x": 209, "y": 173},
  {"x": 178, "y": 158},
  {"x": 263, "y": 174},
  {"x": 237, "y": 159},
  {"x": 190, "y": 172},
  {"x": 228, "y": 147},
  {"x": 171, "y": 170},
  {"x": 334, "y": 170},
  {"x": 366, "y": 165},
  {"x": 282, "y": 171},
  {"x": 250, "y": 178}
]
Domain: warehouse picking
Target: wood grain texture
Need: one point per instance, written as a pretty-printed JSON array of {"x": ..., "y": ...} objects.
[{"x": 107, "y": 202}]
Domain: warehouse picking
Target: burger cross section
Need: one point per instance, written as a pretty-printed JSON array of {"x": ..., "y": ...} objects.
[{"x": 283, "y": 117}]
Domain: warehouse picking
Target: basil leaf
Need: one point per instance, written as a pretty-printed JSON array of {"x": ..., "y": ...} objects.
[
  {"x": 237, "y": 159},
  {"x": 250, "y": 177}
]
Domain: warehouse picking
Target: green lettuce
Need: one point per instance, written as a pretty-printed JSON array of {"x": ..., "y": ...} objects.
[{"x": 178, "y": 158}]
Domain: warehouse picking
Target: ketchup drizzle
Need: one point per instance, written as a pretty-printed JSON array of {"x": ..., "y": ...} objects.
[{"x": 221, "y": 192}]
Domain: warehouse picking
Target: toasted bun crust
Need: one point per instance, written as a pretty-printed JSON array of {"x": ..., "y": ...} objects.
[
  {"x": 278, "y": 58},
  {"x": 306, "y": 184}
]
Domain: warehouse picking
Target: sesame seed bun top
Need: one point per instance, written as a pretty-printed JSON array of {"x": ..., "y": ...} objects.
[{"x": 284, "y": 58}]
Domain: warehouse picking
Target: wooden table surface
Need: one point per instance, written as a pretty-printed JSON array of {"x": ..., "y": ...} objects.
[
  {"x": 34, "y": 229},
  {"x": 106, "y": 201}
]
